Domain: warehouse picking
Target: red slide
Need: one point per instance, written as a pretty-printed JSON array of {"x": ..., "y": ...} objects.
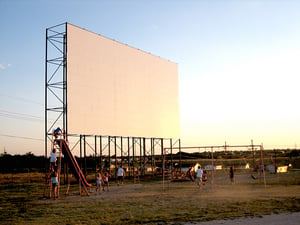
[{"x": 71, "y": 159}]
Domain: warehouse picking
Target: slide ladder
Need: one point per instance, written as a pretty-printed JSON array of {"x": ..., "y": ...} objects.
[
  {"x": 77, "y": 172},
  {"x": 48, "y": 181}
]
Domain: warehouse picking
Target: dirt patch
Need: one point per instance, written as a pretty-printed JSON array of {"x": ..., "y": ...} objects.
[
  {"x": 149, "y": 203},
  {"x": 274, "y": 219}
]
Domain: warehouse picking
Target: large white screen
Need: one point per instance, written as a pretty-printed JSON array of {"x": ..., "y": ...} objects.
[{"x": 115, "y": 89}]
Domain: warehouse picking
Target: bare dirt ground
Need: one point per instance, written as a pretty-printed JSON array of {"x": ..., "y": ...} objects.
[
  {"x": 274, "y": 219},
  {"x": 178, "y": 203},
  {"x": 135, "y": 189}
]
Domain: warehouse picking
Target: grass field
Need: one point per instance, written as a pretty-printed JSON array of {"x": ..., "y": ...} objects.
[{"x": 22, "y": 202}]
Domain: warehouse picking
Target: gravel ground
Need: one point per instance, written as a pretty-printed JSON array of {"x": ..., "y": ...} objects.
[{"x": 274, "y": 219}]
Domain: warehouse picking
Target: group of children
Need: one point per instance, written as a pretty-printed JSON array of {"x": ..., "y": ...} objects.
[
  {"x": 53, "y": 175},
  {"x": 102, "y": 181},
  {"x": 201, "y": 176}
]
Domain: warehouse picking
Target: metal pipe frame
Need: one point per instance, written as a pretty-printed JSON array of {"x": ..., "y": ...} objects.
[
  {"x": 130, "y": 152},
  {"x": 55, "y": 81}
]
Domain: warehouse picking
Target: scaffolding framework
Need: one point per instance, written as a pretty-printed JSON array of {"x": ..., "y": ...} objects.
[
  {"x": 136, "y": 152},
  {"x": 260, "y": 167},
  {"x": 55, "y": 81}
]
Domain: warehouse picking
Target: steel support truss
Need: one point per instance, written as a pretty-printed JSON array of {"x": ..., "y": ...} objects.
[
  {"x": 55, "y": 81},
  {"x": 139, "y": 156}
]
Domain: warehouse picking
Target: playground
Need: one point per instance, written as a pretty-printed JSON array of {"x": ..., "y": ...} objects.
[
  {"x": 121, "y": 129},
  {"x": 147, "y": 202}
]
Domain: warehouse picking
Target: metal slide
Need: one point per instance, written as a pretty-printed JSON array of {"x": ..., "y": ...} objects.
[{"x": 74, "y": 165}]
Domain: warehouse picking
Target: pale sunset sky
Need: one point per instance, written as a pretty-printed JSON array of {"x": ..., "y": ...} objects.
[{"x": 239, "y": 64}]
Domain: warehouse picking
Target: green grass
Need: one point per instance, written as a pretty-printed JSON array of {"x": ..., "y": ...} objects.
[{"x": 148, "y": 203}]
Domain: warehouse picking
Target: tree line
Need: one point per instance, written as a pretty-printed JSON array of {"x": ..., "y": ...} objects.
[{"x": 30, "y": 162}]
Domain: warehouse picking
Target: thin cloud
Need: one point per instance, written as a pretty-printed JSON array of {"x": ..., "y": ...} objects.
[{"x": 4, "y": 66}]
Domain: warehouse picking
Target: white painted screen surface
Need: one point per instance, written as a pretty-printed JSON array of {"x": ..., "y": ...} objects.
[{"x": 115, "y": 89}]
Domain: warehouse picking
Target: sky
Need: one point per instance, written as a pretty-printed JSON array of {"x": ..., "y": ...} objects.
[{"x": 238, "y": 64}]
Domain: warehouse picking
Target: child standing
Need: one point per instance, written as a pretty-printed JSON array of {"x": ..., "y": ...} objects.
[
  {"x": 199, "y": 177},
  {"x": 57, "y": 132},
  {"x": 53, "y": 159},
  {"x": 105, "y": 181},
  {"x": 54, "y": 180},
  {"x": 98, "y": 182},
  {"x": 231, "y": 175},
  {"x": 121, "y": 174}
]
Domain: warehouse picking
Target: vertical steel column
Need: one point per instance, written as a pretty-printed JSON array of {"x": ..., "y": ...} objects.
[
  {"x": 179, "y": 145},
  {"x": 275, "y": 163},
  {"x": 171, "y": 148},
  {"x": 84, "y": 148},
  {"x": 95, "y": 157},
  {"x": 116, "y": 159},
  {"x": 109, "y": 152},
  {"x": 100, "y": 153},
  {"x": 253, "y": 160},
  {"x": 144, "y": 152},
  {"x": 80, "y": 142},
  {"x": 133, "y": 155},
  {"x": 128, "y": 162},
  {"x": 151, "y": 152},
  {"x": 162, "y": 154},
  {"x": 46, "y": 104},
  {"x": 65, "y": 86},
  {"x": 152, "y": 156},
  {"x": 212, "y": 166},
  {"x": 141, "y": 163},
  {"x": 121, "y": 150},
  {"x": 263, "y": 164}
]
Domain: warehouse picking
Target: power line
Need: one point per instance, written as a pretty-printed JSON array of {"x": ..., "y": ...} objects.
[
  {"x": 21, "y": 99},
  {"x": 22, "y": 116},
  {"x": 15, "y": 115},
  {"x": 20, "y": 137}
]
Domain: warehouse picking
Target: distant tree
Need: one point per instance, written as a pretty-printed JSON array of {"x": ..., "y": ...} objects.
[
  {"x": 294, "y": 153},
  {"x": 9, "y": 163},
  {"x": 29, "y": 154}
]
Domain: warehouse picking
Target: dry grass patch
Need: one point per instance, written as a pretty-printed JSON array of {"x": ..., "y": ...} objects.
[{"x": 148, "y": 203}]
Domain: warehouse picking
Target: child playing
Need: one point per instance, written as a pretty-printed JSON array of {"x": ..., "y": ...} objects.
[
  {"x": 54, "y": 180},
  {"x": 53, "y": 158},
  {"x": 199, "y": 177},
  {"x": 98, "y": 182},
  {"x": 57, "y": 132},
  {"x": 105, "y": 181},
  {"x": 231, "y": 175}
]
